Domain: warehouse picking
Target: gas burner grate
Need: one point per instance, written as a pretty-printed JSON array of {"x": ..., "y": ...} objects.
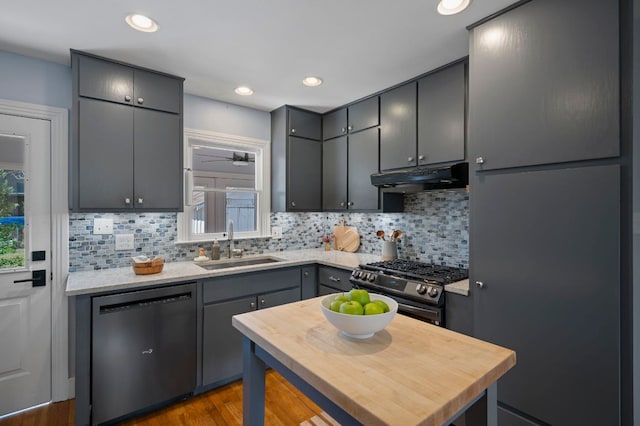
[{"x": 420, "y": 270}]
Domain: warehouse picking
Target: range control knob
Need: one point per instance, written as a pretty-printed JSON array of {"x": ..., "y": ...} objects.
[
  {"x": 371, "y": 277},
  {"x": 432, "y": 291},
  {"x": 421, "y": 289}
]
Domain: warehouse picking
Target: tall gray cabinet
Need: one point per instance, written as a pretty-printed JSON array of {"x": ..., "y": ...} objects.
[
  {"x": 545, "y": 222},
  {"x": 126, "y": 151},
  {"x": 296, "y": 160}
]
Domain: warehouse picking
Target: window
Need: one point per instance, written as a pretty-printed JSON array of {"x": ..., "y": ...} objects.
[{"x": 227, "y": 178}]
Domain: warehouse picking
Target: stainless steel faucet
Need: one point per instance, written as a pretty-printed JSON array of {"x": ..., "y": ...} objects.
[{"x": 230, "y": 236}]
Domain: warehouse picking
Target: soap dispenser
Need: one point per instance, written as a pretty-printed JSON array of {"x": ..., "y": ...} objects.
[{"x": 215, "y": 250}]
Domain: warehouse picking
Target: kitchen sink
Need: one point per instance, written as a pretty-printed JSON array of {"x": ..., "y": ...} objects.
[{"x": 233, "y": 263}]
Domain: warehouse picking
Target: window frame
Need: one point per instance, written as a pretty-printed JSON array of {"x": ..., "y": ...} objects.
[{"x": 262, "y": 149}]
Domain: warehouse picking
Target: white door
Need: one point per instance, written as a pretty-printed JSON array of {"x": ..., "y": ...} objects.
[{"x": 25, "y": 222}]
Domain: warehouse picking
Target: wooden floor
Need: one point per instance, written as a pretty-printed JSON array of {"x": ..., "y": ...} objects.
[{"x": 284, "y": 405}]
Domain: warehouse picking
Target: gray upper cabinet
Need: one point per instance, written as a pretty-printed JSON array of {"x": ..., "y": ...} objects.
[
  {"x": 334, "y": 124},
  {"x": 126, "y": 153},
  {"x": 304, "y": 124},
  {"x": 398, "y": 120},
  {"x": 363, "y": 161},
  {"x": 544, "y": 85},
  {"x": 441, "y": 116},
  {"x": 296, "y": 161},
  {"x": 334, "y": 173},
  {"x": 358, "y": 116},
  {"x": 114, "y": 82}
]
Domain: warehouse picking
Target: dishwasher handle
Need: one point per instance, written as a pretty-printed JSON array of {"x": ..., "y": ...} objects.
[{"x": 145, "y": 303}]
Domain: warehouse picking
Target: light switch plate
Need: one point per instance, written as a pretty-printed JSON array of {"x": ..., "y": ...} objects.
[
  {"x": 103, "y": 226},
  {"x": 276, "y": 232},
  {"x": 124, "y": 241}
]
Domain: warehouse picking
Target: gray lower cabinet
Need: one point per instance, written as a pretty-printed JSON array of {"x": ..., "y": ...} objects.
[
  {"x": 309, "y": 281},
  {"x": 227, "y": 296},
  {"x": 547, "y": 87},
  {"x": 458, "y": 315},
  {"x": 126, "y": 151},
  {"x": 398, "y": 133},
  {"x": 545, "y": 265},
  {"x": 441, "y": 115},
  {"x": 333, "y": 280}
]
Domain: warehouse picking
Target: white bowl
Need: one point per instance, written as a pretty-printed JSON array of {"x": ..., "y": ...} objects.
[{"x": 359, "y": 326}]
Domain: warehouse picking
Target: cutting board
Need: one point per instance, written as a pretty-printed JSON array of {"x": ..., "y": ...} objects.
[{"x": 346, "y": 238}]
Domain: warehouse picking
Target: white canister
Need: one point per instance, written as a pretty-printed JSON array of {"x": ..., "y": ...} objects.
[{"x": 389, "y": 250}]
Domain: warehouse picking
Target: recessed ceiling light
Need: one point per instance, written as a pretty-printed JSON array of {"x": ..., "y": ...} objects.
[
  {"x": 244, "y": 91},
  {"x": 312, "y": 81},
  {"x": 451, "y": 7},
  {"x": 142, "y": 23}
]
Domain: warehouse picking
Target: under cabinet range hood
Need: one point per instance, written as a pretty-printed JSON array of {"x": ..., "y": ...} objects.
[{"x": 419, "y": 179}]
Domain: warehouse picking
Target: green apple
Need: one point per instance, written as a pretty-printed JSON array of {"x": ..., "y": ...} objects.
[
  {"x": 385, "y": 307},
  {"x": 335, "y": 304},
  {"x": 351, "y": 308},
  {"x": 343, "y": 297},
  {"x": 373, "y": 309},
  {"x": 359, "y": 295}
]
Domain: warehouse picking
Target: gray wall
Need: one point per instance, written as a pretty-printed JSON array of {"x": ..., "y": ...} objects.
[{"x": 34, "y": 81}]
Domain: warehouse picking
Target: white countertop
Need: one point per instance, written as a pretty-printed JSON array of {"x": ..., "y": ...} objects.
[{"x": 87, "y": 282}]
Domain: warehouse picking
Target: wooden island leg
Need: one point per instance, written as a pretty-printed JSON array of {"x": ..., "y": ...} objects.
[{"x": 253, "y": 381}]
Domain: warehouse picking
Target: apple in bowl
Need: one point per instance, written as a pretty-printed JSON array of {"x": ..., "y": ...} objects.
[{"x": 355, "y": 320}]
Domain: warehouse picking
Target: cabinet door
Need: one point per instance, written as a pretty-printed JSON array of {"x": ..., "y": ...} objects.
[
  {"x": 105, "y": 157},
  {"x": 304, "y": 124},
  {"x": 334, "y": 174},
  {"x": 364, "y": 114},
  {"x": 158, "y": 160},
  {"x": 304, "y": 177},
  {"x": 105, "y": 80},
  {"x": 441, "y": 116},
  {"x": 546, "y": 88},
  {"x": 363, "y": 161},
  {"x": 157, "y": 91},
  {"x": 334, "y": 124},
  {"x": 222, "y": 343},
  {"x": 545, "y": 245},
  {"x": 279, "y": 297},
  {"x": 309, "y": 282},
  {"x": 398, "y": 127}
]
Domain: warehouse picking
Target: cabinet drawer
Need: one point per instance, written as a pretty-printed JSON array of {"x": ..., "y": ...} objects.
[
  {"x": 234, "y": 286},
  {"x": 335, "y": 278}
]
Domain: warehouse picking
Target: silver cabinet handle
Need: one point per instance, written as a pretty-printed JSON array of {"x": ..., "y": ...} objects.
[
  {"x": 479, "y": 284},
  {"x": 410, "y": 159},
  {"x": 252, "y": 304},
  {"x": 140, "y": 200},
  {"x": 293, "y": 204},
  {"x": 293, "y": 130},
  {"x": 334, "y": 279},
  {"x": 420, "y": 157},
  {"x": 479, "y": 160},
  {"x": 350, "y": 203},
  {"x": 140, "y": 101},
  {"x": 148, "y": 351},
  {"x": 306, "y": 273},
  {"x": 342, "y": 204},
  {"x": 127, "y": 98},
  {"x": 127, "y": 200},
  {"x": 343, "y": 130},
  {"x": 350, "y": 128},
  {"x": 262, "y": 302}
]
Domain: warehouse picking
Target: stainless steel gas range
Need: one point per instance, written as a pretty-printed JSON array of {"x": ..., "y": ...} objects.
[{"x": 417, "y": 287}]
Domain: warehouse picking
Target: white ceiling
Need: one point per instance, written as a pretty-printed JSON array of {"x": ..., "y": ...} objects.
[{"x": 357, "y": 47}]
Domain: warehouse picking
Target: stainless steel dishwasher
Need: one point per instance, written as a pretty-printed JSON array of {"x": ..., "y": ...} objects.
[{"x": 143, "y": 349}]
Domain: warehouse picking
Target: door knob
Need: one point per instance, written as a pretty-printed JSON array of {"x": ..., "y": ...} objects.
[
  {"x": 140, "y": 101},
  {"x": 479, "y": 284},
  {"x": 140, "y": 200},
  {"x": 479, "y": 160},
  {"x": 127, "y": 201},
  {"x": 127, "y": 98}
]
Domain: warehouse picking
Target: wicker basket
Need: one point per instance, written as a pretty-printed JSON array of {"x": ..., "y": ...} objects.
[{"x": 151, "y": 267}]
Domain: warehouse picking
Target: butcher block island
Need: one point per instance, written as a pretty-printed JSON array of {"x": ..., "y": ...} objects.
[{"x": 410, "y": 373}]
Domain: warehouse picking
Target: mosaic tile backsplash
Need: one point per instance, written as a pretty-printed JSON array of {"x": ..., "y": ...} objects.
[{"x": 435, "y": 224}]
